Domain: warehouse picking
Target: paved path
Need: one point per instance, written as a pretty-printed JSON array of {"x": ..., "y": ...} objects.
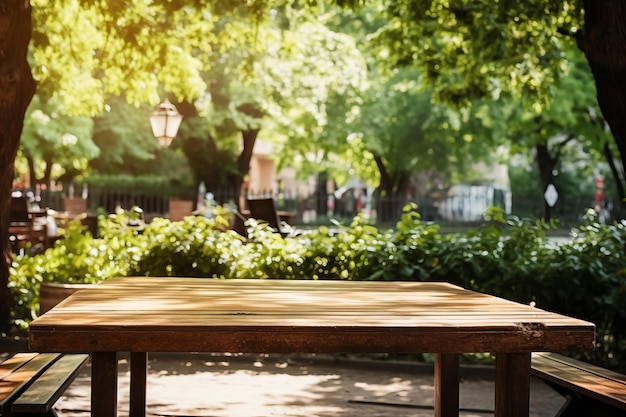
[{"x": 290, "y": 386}]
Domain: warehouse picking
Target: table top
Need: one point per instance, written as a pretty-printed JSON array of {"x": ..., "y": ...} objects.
[{"x": 143, "y": 314}]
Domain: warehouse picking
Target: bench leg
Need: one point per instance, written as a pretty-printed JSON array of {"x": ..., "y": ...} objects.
[
  {"x": 446, "y": 385},
  {"x": 104, "y": 384},
  {"x": 512, "y": 385}
]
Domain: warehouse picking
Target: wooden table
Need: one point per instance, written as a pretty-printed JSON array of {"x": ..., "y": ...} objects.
[{"x": 140, "y": 315}]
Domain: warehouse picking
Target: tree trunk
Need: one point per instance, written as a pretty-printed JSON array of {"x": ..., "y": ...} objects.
[
  {"x": 390, "y": 193},
  {"x": 385, "y": 180},
  {"x": 17, "y": 88},
  {"x": 546, "y": 164},
  {"x": 243, "y": 161},
  {"x": 617, "y": 178},
  {"x": 31, "y": 170},
  {"x": 603, "y": 41},
  {"x": 322, "y": 194},
  {"x": 249, "y": 139},
  {"x": 47, "y": 173}
]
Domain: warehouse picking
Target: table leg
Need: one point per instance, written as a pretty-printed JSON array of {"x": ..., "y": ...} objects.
[
  {"x": 446, "y": 385},
  {"x": 512, "y": 384},
  {"x": 104, "y": 384},
  {"x": 138, "y": 374}
]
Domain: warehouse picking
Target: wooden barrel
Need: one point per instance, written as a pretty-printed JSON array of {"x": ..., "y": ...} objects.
[{"x": 52, "y": 293}]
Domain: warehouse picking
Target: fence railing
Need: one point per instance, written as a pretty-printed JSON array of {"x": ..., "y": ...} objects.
[{"x": 319, "y": 209}]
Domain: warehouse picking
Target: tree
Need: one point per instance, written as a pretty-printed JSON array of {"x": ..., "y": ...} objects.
[
  {"x": 304, "y": 81},
  {"x": 571, "y": 118},
  {"x": 17, "y": 88},
  {"x": 214, "y": 165},
  {"x": 407, "y": 134},
  {"x": 51, "y": 138},
  {"x": 123, "y": 135},
  {"x": 478, "y": 48}
]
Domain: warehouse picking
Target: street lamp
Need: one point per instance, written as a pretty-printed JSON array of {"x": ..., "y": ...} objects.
[{"x": 165, "y": 121}]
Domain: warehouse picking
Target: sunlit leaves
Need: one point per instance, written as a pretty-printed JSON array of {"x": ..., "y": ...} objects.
[
  {"x": 63, "y": 56},
  {"x": 83, "y": 50},
  {"x": 52, "y": 137},
  {"x": 123, "y": 134},
  {"x": 305, "y": 80},
  {"x": 573, "y": 110},
  {"x": 462, "y": 46}
]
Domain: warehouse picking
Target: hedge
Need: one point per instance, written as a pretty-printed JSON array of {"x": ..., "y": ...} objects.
[{"x": 513, "y": 258}]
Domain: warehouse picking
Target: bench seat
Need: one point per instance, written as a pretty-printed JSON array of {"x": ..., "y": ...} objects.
[
  {"x": 590, "y": 390},
  {"x": 30, "y": 383}
]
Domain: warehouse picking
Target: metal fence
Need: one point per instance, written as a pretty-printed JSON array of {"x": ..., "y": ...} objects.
[{"x": 314, "y": 209}]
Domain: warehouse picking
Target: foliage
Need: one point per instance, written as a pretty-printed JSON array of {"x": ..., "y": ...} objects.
[
  {"x": 471, "y": 49},
  {"x": 576, "y": 189},
  {"x": 594, "y": 264},
  {"x": 195, "y": 246},
  {"x": 54, "y": 141},
  {"x": 301, "y": 95},
  {"x": 273, "y": 56},
  {"x": 123, "y": 134},
  {"x": 121, "y": 48},
  {"x": 400, "y": 124}
]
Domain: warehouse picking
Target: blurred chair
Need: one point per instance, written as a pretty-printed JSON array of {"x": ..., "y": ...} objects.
[
  {"x": 264, "y": 209},
  {"x": 239, "y": 224},
  {"x": 20, "y": 215}
]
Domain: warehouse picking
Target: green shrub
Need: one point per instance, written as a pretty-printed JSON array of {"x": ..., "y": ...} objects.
[{"x": 193, "y": 247}]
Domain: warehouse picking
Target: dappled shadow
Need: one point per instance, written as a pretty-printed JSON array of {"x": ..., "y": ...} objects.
[
  {"x": 284, "y": 385},
  {"x": 191, "y": 314}
]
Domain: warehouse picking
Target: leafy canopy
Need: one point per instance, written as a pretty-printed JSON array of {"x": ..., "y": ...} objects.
[{"x": 475, "y": 48}]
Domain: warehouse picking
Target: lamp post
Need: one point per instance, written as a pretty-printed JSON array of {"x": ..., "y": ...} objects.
[{"x": 165, "y": 121}]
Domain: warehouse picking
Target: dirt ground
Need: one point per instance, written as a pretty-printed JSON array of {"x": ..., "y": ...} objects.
[{"x": 296, "y": 386}]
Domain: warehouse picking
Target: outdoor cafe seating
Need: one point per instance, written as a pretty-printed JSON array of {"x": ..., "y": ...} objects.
[{"x": 26, "y": 225}]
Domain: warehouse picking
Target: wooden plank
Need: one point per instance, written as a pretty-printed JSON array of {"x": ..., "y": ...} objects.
[
  {"x": 288, "y": 301},
  {"x": 597, "y": 383},
  {"x": 203, "y": 300},
  {"x": 575, "y": 363},
  {"x": 450, "y": 323},
  {"x": 235, "y": 293},
  {"x": 7, "y": 387},
  {"x": 15, "y": 382},
  {"x": 41, "y": 395},
  {"x": 281, "y": 306},
  {"x": 11, "y": 364},
  {"x": 254, "y": 340}
]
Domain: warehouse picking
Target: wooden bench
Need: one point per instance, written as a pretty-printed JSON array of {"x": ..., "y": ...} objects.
[
  {"x": 30, "y": 383},
  {"x": 590, "y": 390}
]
